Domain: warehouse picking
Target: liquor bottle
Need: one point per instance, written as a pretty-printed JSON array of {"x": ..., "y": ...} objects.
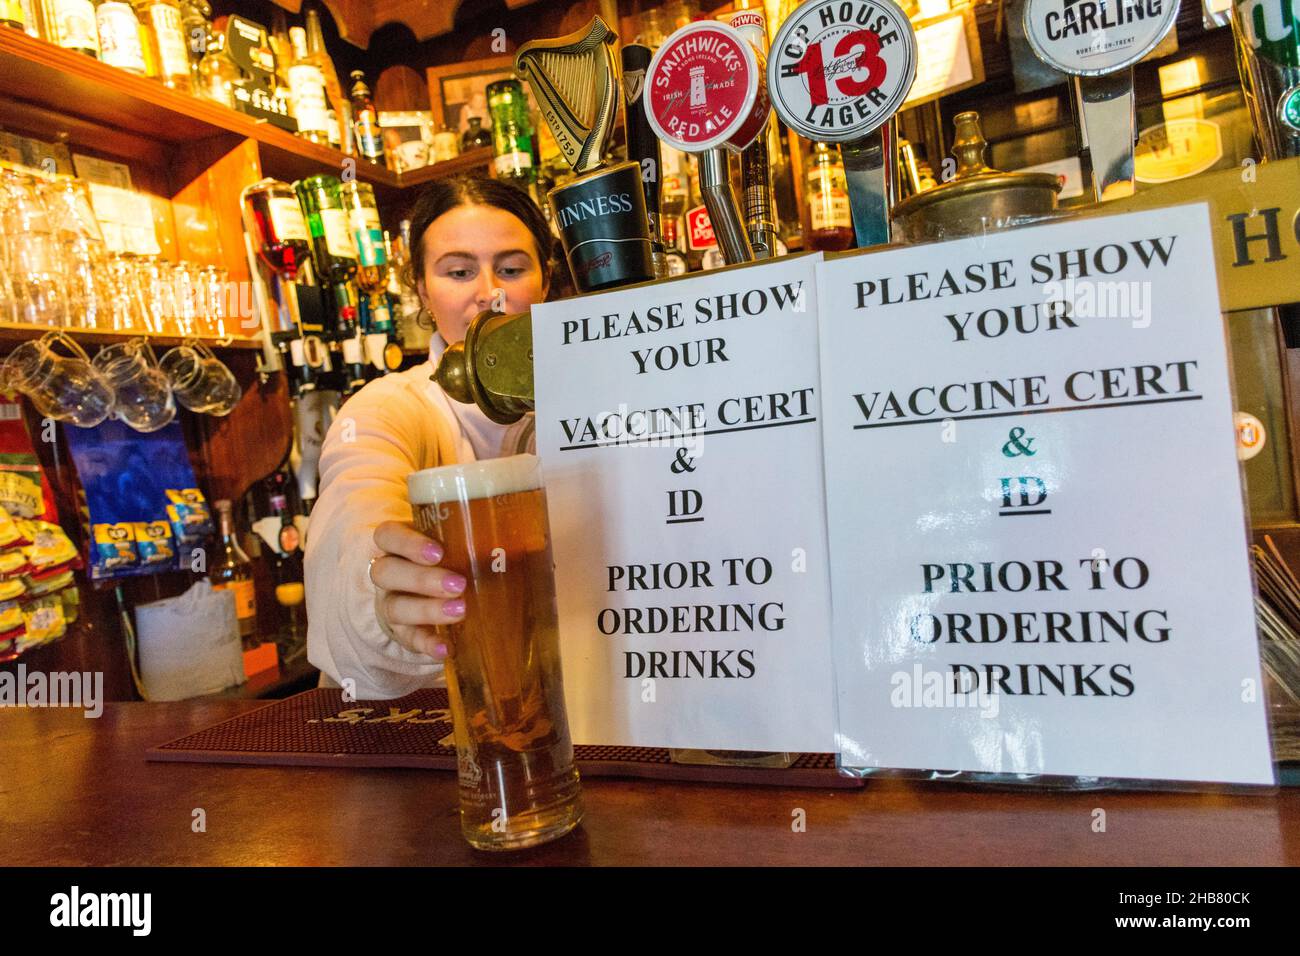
[
  {"x": 333, "y": 249},
  {"x": 287, "y": 572},
  {"x": 403, "y": 303},
  {"x": 674, "y": 194},
  {"x": 168, "y": 53},
  {"x": 338, "y": 102},
  {"x": 74, "y": 25},
  {"x": 367, "y": 234},
  {"x": 307, "y": 92},
  {"x": 476, "y": 136},
  {"x": 676, "y": 259},
  {"x": 218, "y": 73},
  {"x": 281, "y": 238},
  {"x": 12, "y": 14},
  {"x": 332, "y": 129},
  {"x": 234, "y": 571},
  {"x": 365, "y": 121},
  {"x": 347, "y": 343},
  {"x": 120, "y": 42},
  {"x": 827, "y": 196},
  {"x": 446, "y": 145},
  {"x": 281, "y": 47},
  {"x": 196, "y": 24},
  {"x": 512, "y": 134}
]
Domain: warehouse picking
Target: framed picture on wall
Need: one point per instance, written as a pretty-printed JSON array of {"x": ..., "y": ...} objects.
[{"x": 458, "y": 91}]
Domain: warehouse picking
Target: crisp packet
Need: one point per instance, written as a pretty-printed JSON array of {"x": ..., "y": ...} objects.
[
  {"x": 13, "y": 563},
  {"x": 188, "y": 513},
  {"x": 10, "y": 536},
  {"x": 153, "y": 542},
  {"x": 11, "y": 616},
  {"x": 114, "y": 546},
  {"x": 50, "y": 546},
  {"x": 71, "y": 600},
  {"x": 43, "y": 622},
  {"x": 46, "y": 583}
]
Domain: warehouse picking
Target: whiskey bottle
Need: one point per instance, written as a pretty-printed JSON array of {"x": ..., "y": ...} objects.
[
  {"x": 233, "y": 571},
  {"x": 365, "y": 121},
  {"x": 307, "y": 92}
]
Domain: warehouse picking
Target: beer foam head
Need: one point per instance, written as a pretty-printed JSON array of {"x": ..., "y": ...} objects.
[{"x": 473, "y": 480}]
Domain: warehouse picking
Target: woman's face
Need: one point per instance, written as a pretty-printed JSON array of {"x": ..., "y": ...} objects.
[{"x": 470, "y": 253}]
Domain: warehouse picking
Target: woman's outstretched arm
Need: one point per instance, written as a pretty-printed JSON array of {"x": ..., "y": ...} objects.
[{"x": 381, "y": 435}]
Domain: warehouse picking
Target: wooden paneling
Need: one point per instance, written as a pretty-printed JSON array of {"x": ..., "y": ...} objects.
[
  {"x": 400, "y": 88},
  {"x": 48, "y": 78},
  {"x": 253, "y": 440},
  {"x": 208, "y": 177},
  {"x": 358, "y": 19}
]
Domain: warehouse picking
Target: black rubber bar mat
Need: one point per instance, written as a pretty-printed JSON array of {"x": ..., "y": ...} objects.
[{"x": 317, "y": 729}]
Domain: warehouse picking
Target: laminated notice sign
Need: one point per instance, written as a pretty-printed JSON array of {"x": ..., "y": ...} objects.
[
  {"x": 1037, "y": 538},
  {"x": 677, "y": 425}
]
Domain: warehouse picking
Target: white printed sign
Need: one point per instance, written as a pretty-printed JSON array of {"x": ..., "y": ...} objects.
[
  {"x": 677, "y": 425},
  {"x": 1037, "y": 538}
]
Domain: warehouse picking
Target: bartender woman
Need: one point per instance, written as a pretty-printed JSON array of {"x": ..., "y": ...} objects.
[{"x": 375, "y": 591}]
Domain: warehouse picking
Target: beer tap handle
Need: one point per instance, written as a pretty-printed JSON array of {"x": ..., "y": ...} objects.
[
  {"x": 756, "y": 175},
  {"x": 870, "y": 167},
  {"x": 1106, "y": 109},
  {"x": 1101, "y": 64},
  {"x": 643, "y": 145},
  {"x": 813, "y": 56},
  {"x": 715, "y": 187},
  {"x": 493, "y": 367},
  {"x": 755, "y": 162}
]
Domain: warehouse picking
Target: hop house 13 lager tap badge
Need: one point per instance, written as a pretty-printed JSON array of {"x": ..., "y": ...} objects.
[{"x": 839, "y": 69}]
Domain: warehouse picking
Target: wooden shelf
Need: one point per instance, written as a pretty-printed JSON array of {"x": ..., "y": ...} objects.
[
  {"x": 83, "y": 94},
  {"x": 474, "y": 159},
  {"x": 13, "y": 332}
]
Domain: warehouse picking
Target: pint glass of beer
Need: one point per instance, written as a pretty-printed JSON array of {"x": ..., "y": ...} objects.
[{"x": 518, "y": 784}]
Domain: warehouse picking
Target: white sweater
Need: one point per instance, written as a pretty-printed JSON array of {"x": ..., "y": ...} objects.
[{"x": 395, "y": 425}]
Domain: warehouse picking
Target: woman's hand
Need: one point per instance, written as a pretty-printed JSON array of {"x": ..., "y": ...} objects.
[{"x": 413, "y": 594}]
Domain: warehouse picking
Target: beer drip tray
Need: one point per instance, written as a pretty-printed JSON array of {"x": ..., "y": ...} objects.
[{"x": 318, "y": 729}]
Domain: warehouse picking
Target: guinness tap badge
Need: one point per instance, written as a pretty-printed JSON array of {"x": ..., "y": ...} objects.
[
  {"x": 838, "y": 72},
  {"x": 601, "y": 215},
  {"x": 575, "y": 81}
]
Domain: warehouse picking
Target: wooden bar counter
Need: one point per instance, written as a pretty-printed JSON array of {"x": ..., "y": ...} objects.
[{"x": 76, "y": 791}]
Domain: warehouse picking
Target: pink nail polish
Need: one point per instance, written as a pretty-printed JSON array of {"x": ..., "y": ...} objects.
[
  {"x": 455, "y": 607},
  {"x": 454, "y": 583},
  {"x": 440, "y": 650},
  {"x": 433, "y": 552}
]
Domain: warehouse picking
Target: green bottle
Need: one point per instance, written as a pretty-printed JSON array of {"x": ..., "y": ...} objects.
[
  {"x": 333, "y": 248},
  {"x": 512, "y": 133}
]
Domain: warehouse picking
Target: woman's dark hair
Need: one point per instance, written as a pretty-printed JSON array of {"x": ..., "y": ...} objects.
[{"x": 444, "y": 195}]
